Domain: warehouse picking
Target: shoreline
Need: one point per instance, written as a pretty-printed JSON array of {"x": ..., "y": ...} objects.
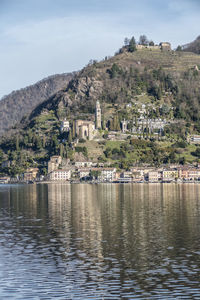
[{"x": 67, "y": 182}]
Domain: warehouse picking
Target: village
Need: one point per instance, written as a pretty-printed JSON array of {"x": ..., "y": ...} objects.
[
  {"x": 86, "y": 171},
  {"x": 61, "y": 169}
]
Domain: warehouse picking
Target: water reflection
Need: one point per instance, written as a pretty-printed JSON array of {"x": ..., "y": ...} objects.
[{"x": 105, "y": 241}]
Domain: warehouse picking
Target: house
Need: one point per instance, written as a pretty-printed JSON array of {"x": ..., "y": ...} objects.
[
  {"x": 30, "y": 174},
  {"x": 183, "y": 173},
  {"x": 125, "y": 177},
  {"x": 169, "y": 175},
  {"x": 60, "y": 175},
  {"x": 154, "y": 176},
  {"x": 4, "y": 180},
  {"x": 107, "y": 174},
  {"x": 195, "y": 139},
  {"x": 193, "y": 174},
  {"x": 83, "y": 164},
  {"x": 83, "y": 173}
]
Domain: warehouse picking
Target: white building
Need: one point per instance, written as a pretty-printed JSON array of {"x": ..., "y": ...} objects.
[
  {"x": 83, "y": 173},
  {"x": 154, "y": 176},
  {"x": 195, "y": 139},
  {"x": 124, "y": 126},
  {"x": 64, "y": 126},
  {"x": 107, "y": 174},
  {"x": 83, "y": 164},
  {"x": 61, "y": 175}
]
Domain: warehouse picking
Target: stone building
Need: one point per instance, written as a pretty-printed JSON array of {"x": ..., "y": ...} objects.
[
  {"x": 165, "y": 46},
  {"x": 85, "y": 129},
  {"x": 30, "y": 174},
  {"x": 98, "y": 115},
  {"x": 54, "y": 163},
  {"x": 155, "y": 47}
]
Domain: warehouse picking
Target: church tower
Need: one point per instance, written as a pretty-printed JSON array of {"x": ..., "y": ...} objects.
[{"x": 98, "y": 115}]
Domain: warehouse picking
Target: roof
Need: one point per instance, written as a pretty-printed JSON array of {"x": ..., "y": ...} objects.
[{"x": 61, "y": 170}]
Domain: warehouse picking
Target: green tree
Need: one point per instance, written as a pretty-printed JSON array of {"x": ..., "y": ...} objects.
[
  {"x": 17, "y": 144},
  {"x": 69, "y": 137},
  {"x": 143, "y": 40},
  {"x": 73, "y": 130},
  {"x": 179, "y": 48},
  {"x": 126, "y": 41},
  {"x": 116, "y": 123},
  {"x": 61, "y": 150},
  {"x": 132, "y": 45}
]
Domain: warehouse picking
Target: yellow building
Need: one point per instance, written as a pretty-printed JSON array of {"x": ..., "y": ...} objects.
[
  {"x": 31, "y": 174},
  {"x": 170, "y": 175}
]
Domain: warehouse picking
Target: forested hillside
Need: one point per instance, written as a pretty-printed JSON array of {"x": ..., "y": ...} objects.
[{"x": 19, "y": 103}]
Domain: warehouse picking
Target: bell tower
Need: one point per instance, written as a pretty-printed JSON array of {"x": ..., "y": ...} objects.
[{"x": 98, "y": 115}]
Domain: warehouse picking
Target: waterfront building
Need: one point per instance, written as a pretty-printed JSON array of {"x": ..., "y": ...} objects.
[
  {"x": 83, "y": 173},
  {"x": 5, "y": 179},
  {"x": 30, "y": 174},
  {"x": 183, "y": 173},
  {"x": 170, "y": 175},
  {"x": 193, "y": 174},
  {"x": 60, "y": 175},
  {"x": 107, "y": 174},
  {"x": 154, "y": 176},
  {"x": 125, "y": 177}
]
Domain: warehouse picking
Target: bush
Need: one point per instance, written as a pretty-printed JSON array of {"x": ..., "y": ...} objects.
[{"x": 82, "y": 141}]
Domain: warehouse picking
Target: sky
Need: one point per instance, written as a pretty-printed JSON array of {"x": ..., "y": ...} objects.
[{"x": 39, "y": 38}]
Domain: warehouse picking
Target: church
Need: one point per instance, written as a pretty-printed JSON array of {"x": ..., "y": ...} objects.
[{"x": 87, "y": 129}]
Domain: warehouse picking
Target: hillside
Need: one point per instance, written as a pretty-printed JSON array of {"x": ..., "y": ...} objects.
[
  {"x": 193, "y": 46},
  {"x": 19, "y": 103},
  {"x": 145, "y": 84}
]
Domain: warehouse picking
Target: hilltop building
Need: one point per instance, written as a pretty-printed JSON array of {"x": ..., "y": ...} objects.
[
  {"x": 165, "y": 46},
  {"x": 98, "y": 115}
]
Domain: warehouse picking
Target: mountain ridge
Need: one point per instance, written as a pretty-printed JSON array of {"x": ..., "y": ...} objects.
[{"x": 17, "y": 104}]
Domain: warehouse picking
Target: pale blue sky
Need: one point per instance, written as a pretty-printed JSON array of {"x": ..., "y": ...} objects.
[{"x": 39, "y": 38}]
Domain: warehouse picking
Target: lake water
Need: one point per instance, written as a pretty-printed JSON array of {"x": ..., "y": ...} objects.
[{"x": 107, "y": 241}]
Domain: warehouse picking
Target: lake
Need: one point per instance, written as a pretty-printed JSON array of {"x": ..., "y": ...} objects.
[{"x": 106, "y": 241}]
